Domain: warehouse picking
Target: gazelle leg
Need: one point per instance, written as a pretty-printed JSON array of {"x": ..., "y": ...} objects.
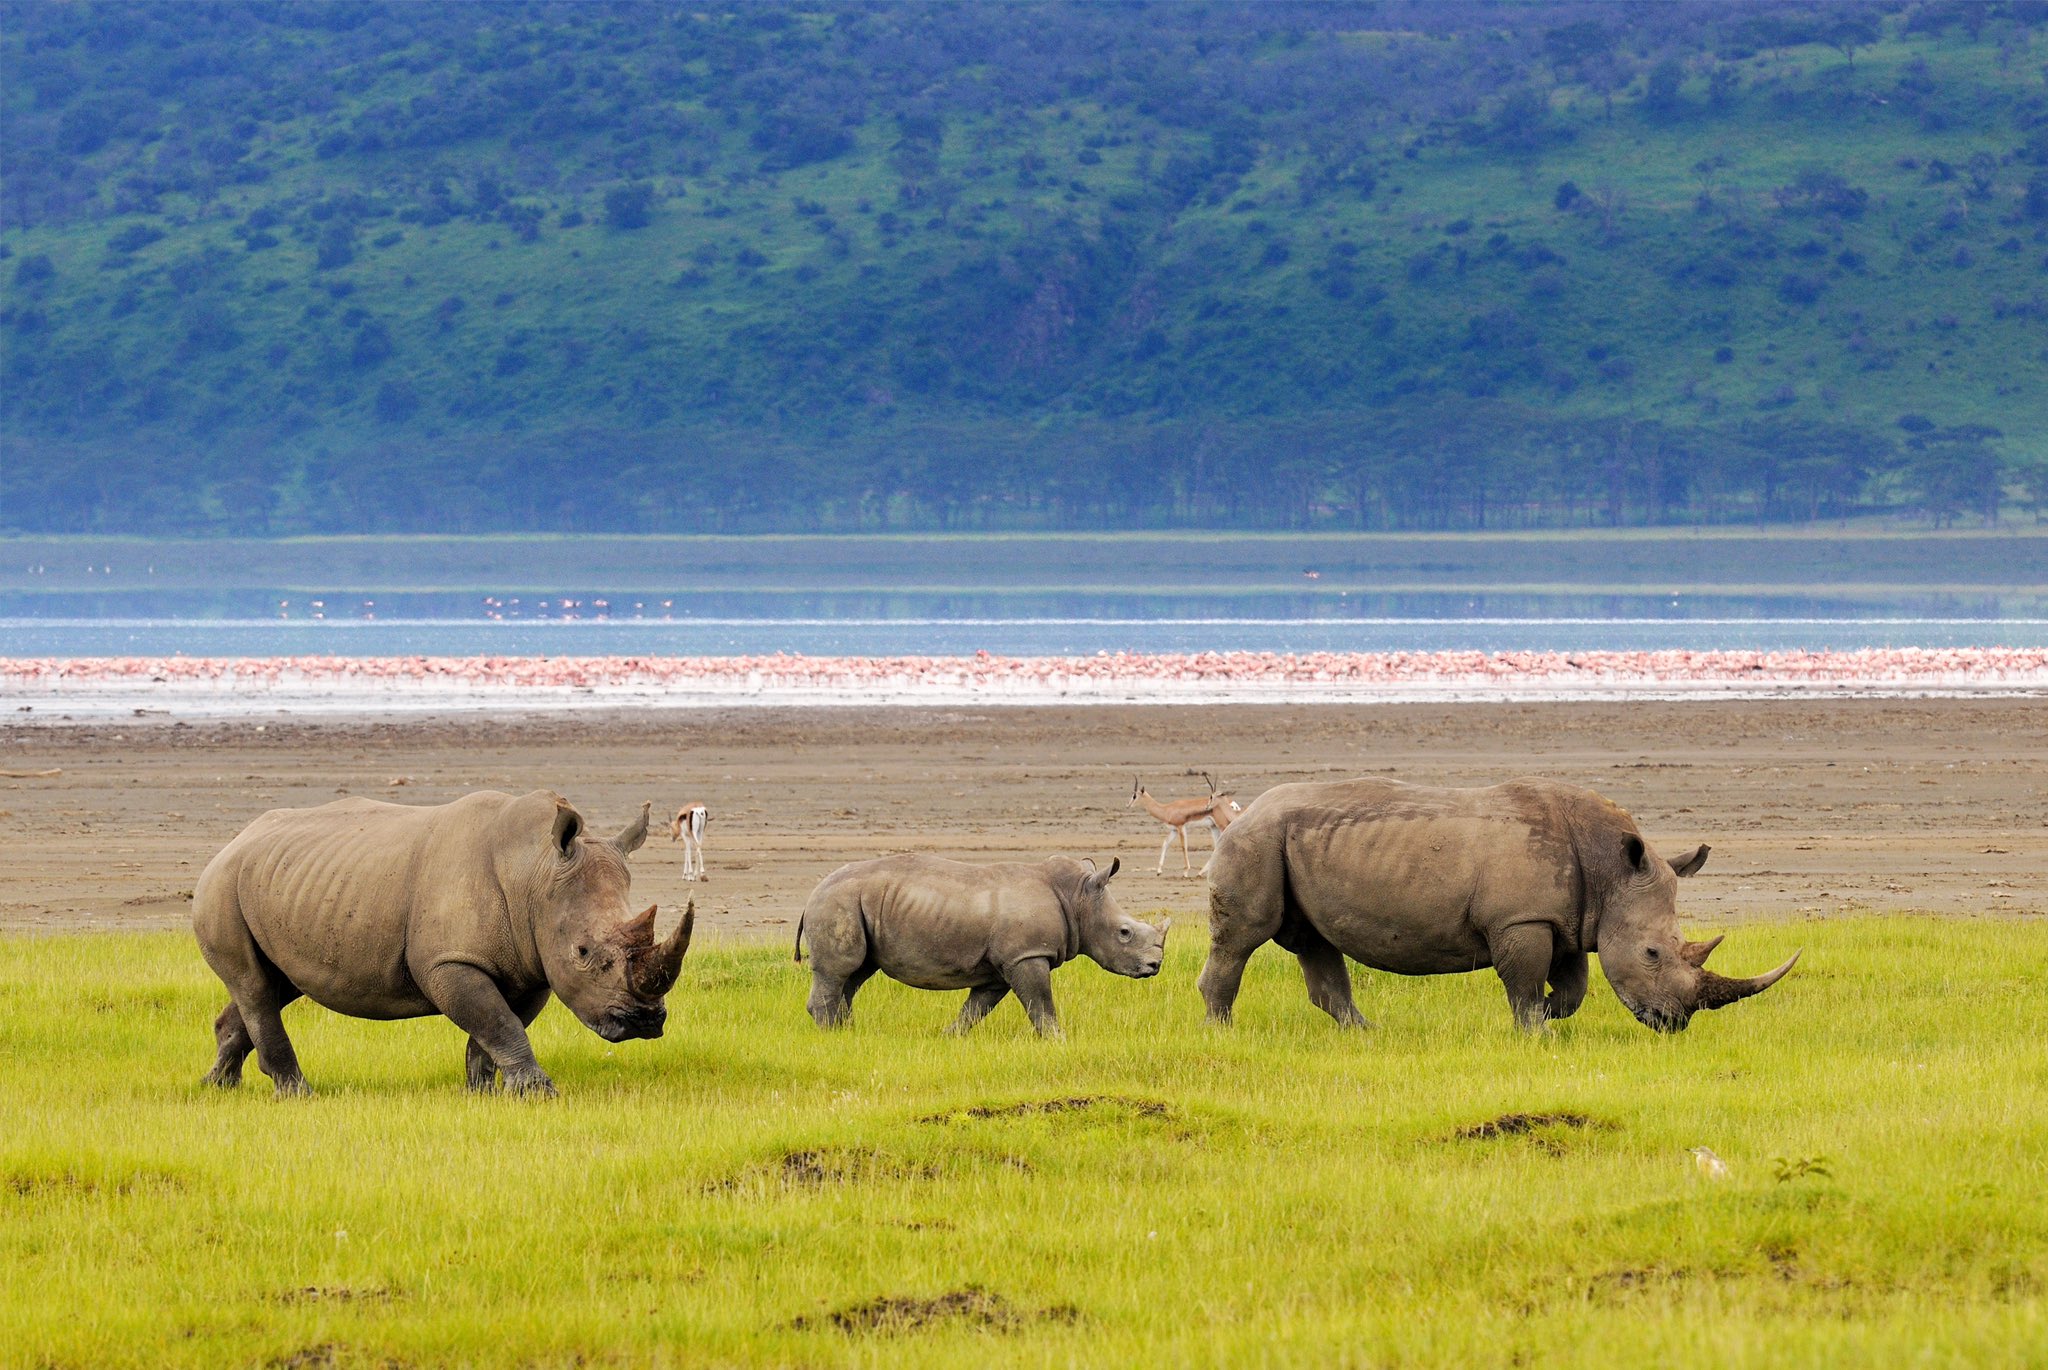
[
  {"x": 1187, "y": 866},
  {"x": 1164, "y": 848}
]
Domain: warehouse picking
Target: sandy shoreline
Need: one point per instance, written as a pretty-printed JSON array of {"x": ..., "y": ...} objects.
[{"x": 1813, "y": 806}]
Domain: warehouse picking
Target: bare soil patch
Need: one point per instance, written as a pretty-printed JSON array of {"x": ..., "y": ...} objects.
[
  {"x": 901, "y": 1313},
  {"x": 1812, "y": 807}
]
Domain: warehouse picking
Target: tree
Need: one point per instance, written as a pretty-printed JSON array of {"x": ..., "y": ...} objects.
[
  {"x": 628, "y": 207},
  {"x": 1950, "y": 471},
  {"x": 1661, "y": 91},
  {"x": 1851, "y": 30}
]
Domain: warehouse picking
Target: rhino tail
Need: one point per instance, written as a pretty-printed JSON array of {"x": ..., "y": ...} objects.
[{"x": 799, "y": 949}]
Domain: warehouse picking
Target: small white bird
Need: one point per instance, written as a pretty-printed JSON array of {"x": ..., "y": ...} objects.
[{"x": 1709, "y": 1165}]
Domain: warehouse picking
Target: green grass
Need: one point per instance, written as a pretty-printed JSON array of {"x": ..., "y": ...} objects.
[{"x": 1278, "y": 1193}]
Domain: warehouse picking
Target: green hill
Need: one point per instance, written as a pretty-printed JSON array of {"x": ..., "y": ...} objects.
[{"x": 276, "y": 268}]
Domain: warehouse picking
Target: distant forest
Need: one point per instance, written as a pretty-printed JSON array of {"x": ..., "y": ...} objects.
[{"x": 274, "y": 268}]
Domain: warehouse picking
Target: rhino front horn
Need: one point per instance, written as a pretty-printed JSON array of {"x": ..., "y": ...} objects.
[
  {"x": 665, "y": 962},
  {"x": 1718, "y": 991}
]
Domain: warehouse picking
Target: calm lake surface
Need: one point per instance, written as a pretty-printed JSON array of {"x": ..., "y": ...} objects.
[
  {"x": 682, "y": 635},
  {"x": 1056, "y": 595}
]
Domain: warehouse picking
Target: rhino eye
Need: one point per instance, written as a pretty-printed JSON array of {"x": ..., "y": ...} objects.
[
  {"x": 1652, "y": 953},
  {"x": 1123, "y": 934}
]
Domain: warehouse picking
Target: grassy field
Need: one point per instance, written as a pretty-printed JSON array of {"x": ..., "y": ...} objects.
[{"x": 751, "y": 1190}]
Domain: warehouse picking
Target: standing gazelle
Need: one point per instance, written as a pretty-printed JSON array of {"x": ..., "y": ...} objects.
[
  {"x": 688, "y": 828},
  {"x": 1214, "y": 813}
]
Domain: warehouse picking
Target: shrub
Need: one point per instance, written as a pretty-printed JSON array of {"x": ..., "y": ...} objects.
[
  {"x": 33, "y": 271},
  {"x": 135, "y": 237},
  {"x": 372, "y": 345},
  {"x": 1800, "y": 289},
  {"x": 629, "y": 207}
]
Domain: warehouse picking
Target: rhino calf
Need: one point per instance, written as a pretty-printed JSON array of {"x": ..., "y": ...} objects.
[
  {"x": 1527, "y": 877},
  {"x": 478, "y": 909},
  {"x": 989, "y": 930}
]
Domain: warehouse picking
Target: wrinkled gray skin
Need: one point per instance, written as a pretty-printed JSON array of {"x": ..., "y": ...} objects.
[
  {"x": 477, "y": 909},
  {"x": 986, "y": 929},
  {"x": 1526, "y": 877}
]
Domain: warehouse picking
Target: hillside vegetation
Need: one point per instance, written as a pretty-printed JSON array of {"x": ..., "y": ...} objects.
[{"x": 285, "y": 267}]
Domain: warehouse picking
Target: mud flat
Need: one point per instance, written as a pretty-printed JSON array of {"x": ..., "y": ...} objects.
[{"x": 1813, "y": 806}]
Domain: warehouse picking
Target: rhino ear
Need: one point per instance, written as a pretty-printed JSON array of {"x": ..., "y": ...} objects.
[
  {"x": 1101, "y": 878},
  {"x": 1633, "y": 849},
  {"x": 568, "y": 826},
  {"x": 1689, "y": 865},
  {"x": 634, "y": 833}
]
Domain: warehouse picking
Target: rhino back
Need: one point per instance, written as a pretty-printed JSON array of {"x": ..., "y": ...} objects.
[
  {"x": 1417, "y": 880},
  {"x": 336, "y": 895},
  {"x": 940, "y": 924}
]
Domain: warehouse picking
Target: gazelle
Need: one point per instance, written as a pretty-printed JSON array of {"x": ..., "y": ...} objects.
[
  {"x": 1214, "y": 813},
  {"x": 688, "y": 826}
]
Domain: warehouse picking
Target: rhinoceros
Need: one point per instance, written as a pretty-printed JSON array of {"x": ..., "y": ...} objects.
[
  {"x": 1527, "y": 877},
  {"x": 477, "y": 909},
  {"x": 989, "y": 930}
]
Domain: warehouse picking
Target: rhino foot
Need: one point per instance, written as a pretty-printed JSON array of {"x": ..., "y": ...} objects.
[
  {"x": 294, "y": 1087},
  {"x": 221, "y": 1078},
  {"x": 535, "y": 1084}
]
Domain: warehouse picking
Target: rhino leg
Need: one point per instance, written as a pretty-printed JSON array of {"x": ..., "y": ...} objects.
[
  {"x": 981, "y": 1000},
  {"x": 1569, "y": 973},
  {"x": 474, "y": 1003},
  {"x": 831, "y": 1001},
  {"x": 260, "y": 991},
  {"x": 1522, "y": 957},
  {"x": 1240, "y": 923},
  {"x": 1329, "y": 981},
  {"x": 231, "y": 1035},
  {"x": 480, "y": 1069},
  {"x": 1032, "y": 980}
]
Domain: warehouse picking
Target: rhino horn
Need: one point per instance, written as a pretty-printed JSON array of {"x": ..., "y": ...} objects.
[
  {"x": 1718, "y": 991},
  {"x": 1697, "y": 953},
  {"x": 660, "y": 967},
  {"x": 639, "y": 928},
  {"x": 1163, "y": 929},
  {"x": 634, "y": 833}
]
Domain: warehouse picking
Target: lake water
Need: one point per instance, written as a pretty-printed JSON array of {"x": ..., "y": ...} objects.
[
  {"x": 1079, "y": 635},
  {"x": 1050, "y": 596}
]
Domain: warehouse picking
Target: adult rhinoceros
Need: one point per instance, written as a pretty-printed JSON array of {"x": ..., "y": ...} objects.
[
  {"x": 1526, "y": 877},
  {"x": 478, "y": 909}
]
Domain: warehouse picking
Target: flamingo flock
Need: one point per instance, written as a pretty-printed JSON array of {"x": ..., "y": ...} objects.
[{"x": 1120, "y": 676}]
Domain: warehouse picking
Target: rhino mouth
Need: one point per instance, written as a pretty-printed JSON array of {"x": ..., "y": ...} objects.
[
  {"x": 626, "y": 1025},
  {"x": 1660, "y": 1020}
]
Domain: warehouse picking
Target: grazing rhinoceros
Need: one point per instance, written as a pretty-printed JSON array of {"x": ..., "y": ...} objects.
[
  {"x": 988, "y": 929},
  {"x": 1526, "y": 877},
  {"x": 477, "y": 909}
]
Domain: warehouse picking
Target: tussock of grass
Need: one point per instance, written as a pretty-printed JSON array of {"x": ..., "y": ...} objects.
[{"x": 750, "y": 1189}]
